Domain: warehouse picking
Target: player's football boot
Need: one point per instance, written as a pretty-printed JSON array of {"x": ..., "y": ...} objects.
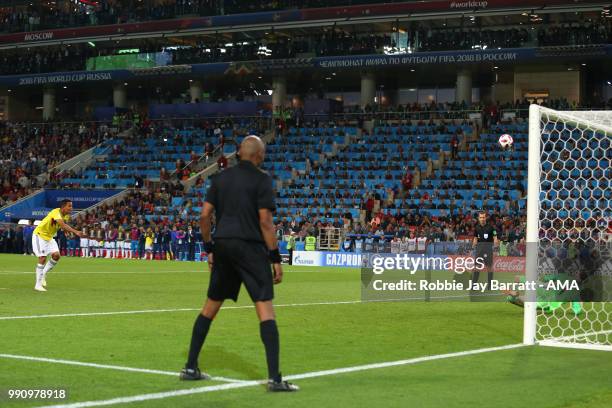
[
  {"x": 40, "y": 288},
  {"x": 281, "y": 386},
  {"x": 190, "y": 374}
]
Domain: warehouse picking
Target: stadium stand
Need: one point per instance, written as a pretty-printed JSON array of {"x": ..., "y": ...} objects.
[
  {"x": 399, "y": 178},
  {"x": 72, "y": 57},
  {"x": 373, "y": 167},
  {"x": 158, "y": 153},
  {"x": 32, "y": 17},
  {"x": 330, "y": 169},
  {"x": 29, "y": 152}
]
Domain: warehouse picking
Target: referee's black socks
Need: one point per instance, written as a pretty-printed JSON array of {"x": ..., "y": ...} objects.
[
  {"x": 269, "y": 337},
  {"x": 200, "y": 330}
]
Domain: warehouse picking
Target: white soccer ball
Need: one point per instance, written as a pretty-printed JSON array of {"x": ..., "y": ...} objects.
[{"x": 505, "y": 140}]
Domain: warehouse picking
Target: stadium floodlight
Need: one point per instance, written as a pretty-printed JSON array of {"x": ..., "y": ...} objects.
[
  {"x": 264, "y": 51},
  {"x": 388, "y": 50},
  {"x": 569, "y": 206}
]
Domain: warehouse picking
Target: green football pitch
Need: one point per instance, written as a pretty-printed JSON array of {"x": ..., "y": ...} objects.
[{"x": 116, "y": 332}]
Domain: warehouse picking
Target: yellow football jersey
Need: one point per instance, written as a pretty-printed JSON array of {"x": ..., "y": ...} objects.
[{"x": 49, "y": 225}]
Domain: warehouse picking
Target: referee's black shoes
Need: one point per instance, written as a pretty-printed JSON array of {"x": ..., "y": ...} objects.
[
  {"x": 281, "y": 386},
  {"x": 191, "y": 374}
]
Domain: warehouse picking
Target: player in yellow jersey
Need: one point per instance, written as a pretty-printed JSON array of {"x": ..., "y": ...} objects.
[{"x": 43, "y": 243}]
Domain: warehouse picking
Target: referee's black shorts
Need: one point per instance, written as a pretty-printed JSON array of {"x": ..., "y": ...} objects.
[
  {"x": 485, "y": 251},
  {"x": 236, "y": 261}
]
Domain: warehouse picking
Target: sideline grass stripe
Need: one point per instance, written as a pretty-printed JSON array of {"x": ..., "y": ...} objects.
[{"x": 314, "y": 374}]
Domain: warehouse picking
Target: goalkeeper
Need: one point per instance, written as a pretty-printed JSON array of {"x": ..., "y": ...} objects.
[{"x": 547, "y": 300}]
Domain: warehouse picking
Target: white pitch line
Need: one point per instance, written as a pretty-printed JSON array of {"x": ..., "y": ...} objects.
[
  {"x": 168, "y": 310},
  {"x": 401, "y": 362},
  {"x": 107, "y": 366},
  {"x": 128, "y": 312},
  {"x": 203, "y": 270},
  {"x": 96, "y": 314},
  {"x": 201, "y": 390},
  {"x": 102, "y": 272}
]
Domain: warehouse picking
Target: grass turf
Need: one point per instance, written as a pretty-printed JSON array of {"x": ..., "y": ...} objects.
[{"x": 313, "y": 338}]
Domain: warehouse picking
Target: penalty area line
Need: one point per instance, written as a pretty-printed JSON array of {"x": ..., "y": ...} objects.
[
  {"x": 102, "y": 272},
  {"x": 129, "y": 312},
  {"x": 314, "y": 374},
  {"x": 156, "y": 272},
  {"x": 107, "y": 366}
]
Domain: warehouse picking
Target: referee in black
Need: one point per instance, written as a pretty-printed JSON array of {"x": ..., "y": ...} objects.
[
  {"x": 485, "y": 238},
  {"x": 242, "y": 199}
]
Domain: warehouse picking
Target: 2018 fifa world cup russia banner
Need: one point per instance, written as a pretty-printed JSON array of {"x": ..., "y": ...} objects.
[
  {"x": 38, "y": 205},
  {"x": 501, "y": 56},
  {"x": 80, "y": 198},
  {"x": 428, "y": 58},
  {"x": 28, "y": 207},
  {"x": 57, "y": 78}
]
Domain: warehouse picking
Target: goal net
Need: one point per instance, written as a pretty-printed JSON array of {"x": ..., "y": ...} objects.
[{"x": 569, "y": 215}]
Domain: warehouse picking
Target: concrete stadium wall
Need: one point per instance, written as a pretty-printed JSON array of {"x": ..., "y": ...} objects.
[{"x": 559, "y": 82}]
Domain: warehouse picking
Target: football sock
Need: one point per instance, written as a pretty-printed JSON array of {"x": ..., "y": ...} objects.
[
  {"x": 198, "y": 335},
  {"x": 269, "y": 337},
  {"x": 475, "y": 276},
  {"x": 50, "y": 265},
  {"x": 39, "y": 274}
]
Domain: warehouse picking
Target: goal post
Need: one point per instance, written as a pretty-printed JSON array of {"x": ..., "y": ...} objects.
[
  {"x": 533, "y": 222},
  {"x": 569, "y": 198}
]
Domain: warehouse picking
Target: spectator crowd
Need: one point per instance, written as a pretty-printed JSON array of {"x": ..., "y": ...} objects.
[
  {"x": 326, "y": 42},
  {"x": 68, "y": 13},
  {"x": 137, "y": 227},
  {"x": 147, "y": 223},
  {"x": 28, "y": 152}
]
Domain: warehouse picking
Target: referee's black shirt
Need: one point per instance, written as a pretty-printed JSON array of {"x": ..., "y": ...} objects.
[
  {"x": 238, "y": 194},
  {"x": 484, "y": 235}
]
